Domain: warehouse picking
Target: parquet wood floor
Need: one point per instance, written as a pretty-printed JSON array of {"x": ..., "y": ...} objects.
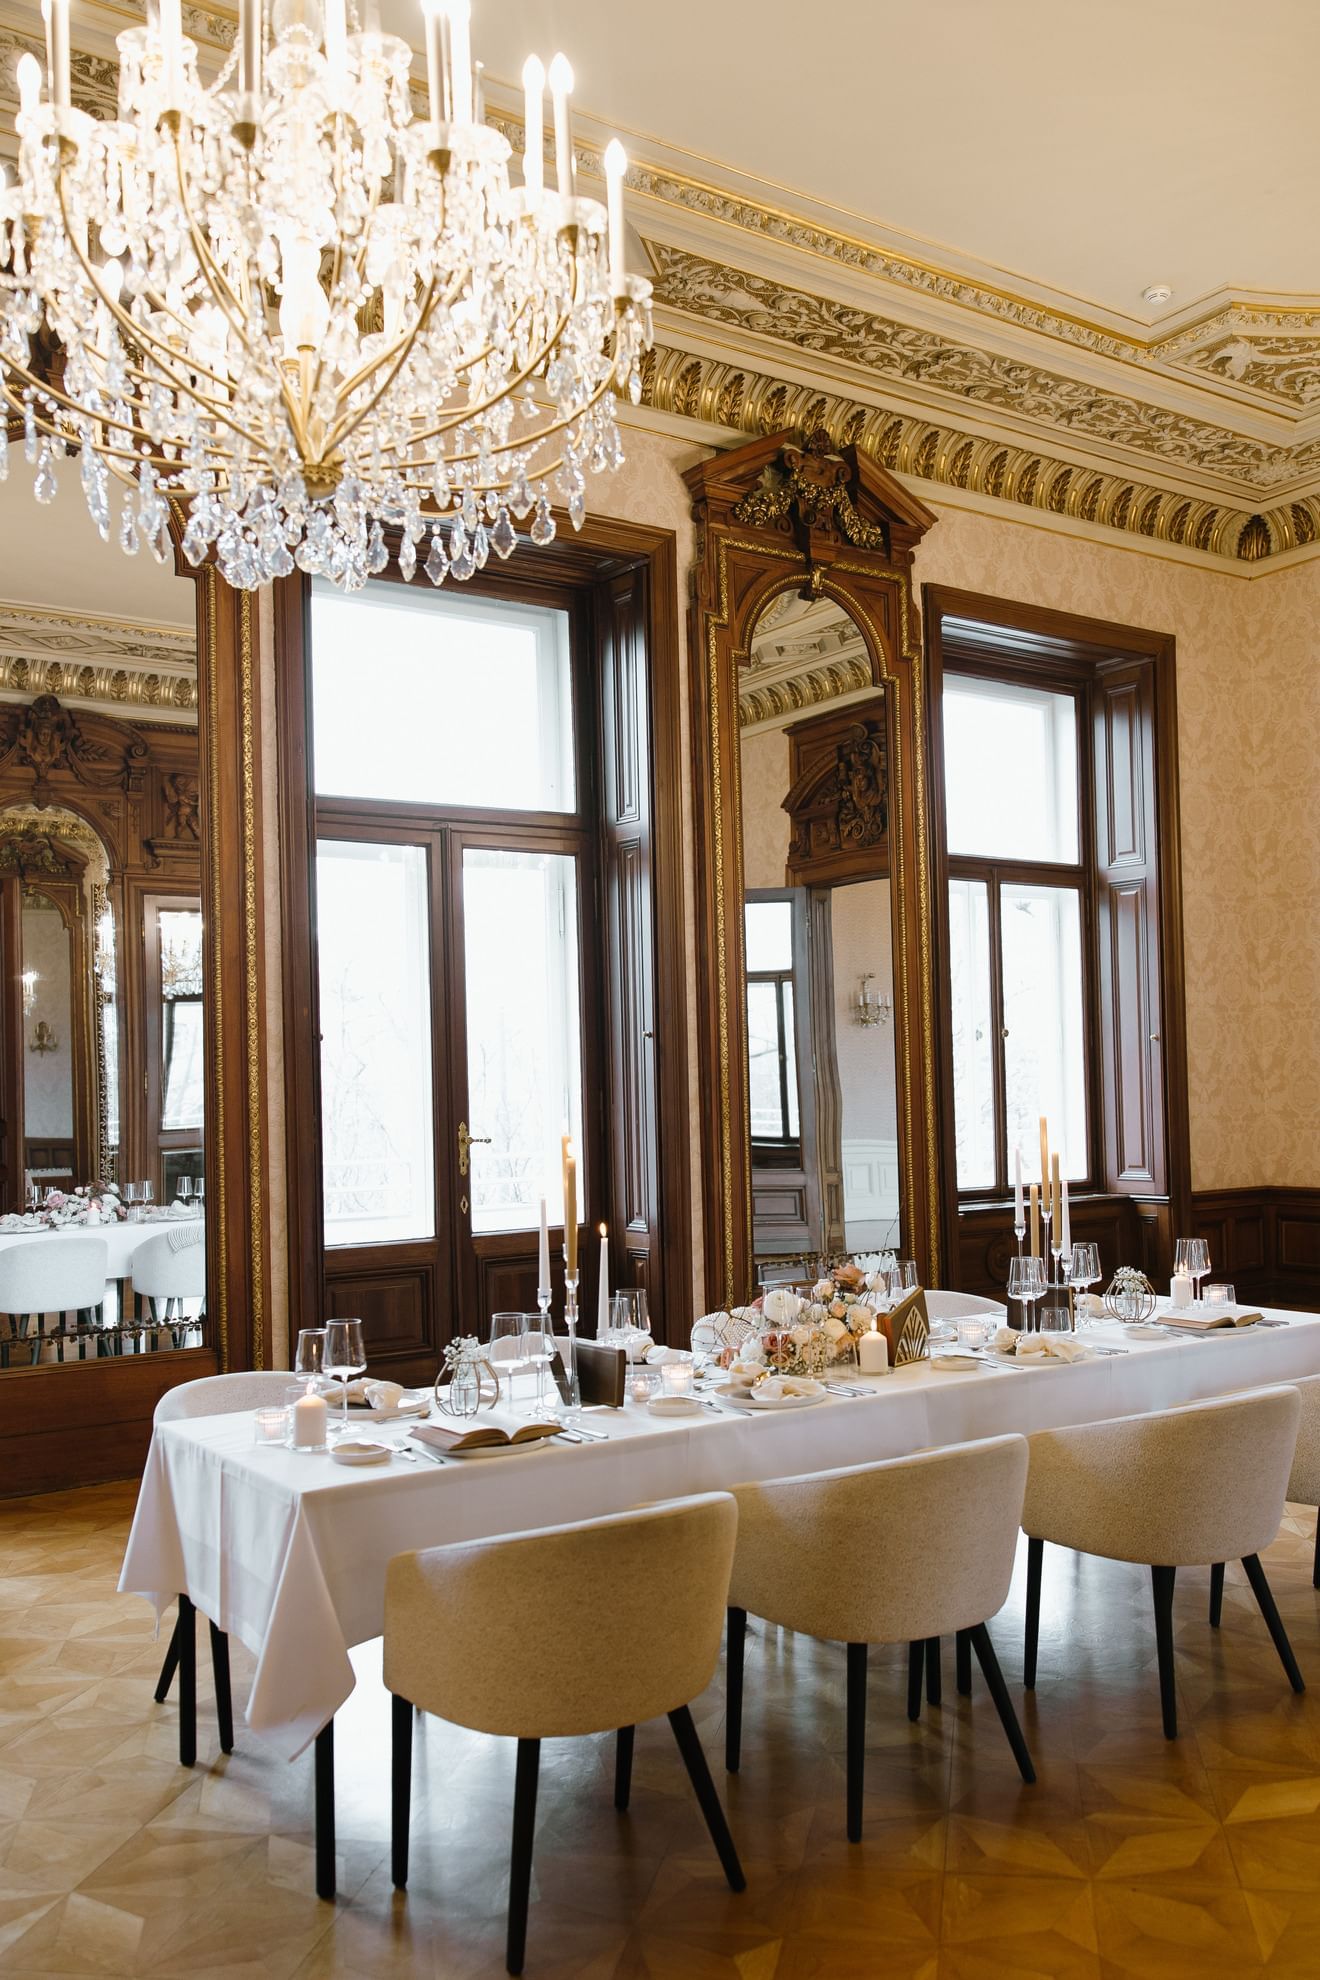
[{"x": 1131, "y": 1857}]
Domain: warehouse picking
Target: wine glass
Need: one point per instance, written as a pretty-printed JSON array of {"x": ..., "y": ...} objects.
[
  {"x": 148, "y": 1196},
  {"x": 344, "y": 1358},
  {"x": 183, "y": 1190},
  {"x": 199, "y": 1194},
  {"x": 309, "y": 1357},
  {"x": 1083, "y": 1269},
  {"x": 1026, "y": 1283},
  {"x": 131, "y": 1201},
  {"x": 538, "y": 1353},
  {"x": 508, "y": 1354},
  {"x": 1198, "y": 1263}
]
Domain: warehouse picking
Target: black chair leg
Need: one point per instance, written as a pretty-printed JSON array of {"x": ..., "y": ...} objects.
[
  {"x": 1216, "y": 1594},
  {"x": 962, "y": 1657},
  {"x": 401, "y": 1725},
  {"x": 689, "y": 1745},
  {"x": 856, "y": 1737},
  {"x": 1008, "y": 1719},
  {"x": 325, "y": 1811},
  {"x": 1162, "y": 1579},
  {"x": 623, "y": 1759},
  {"x": 934, "y": 1676},
  {"x": 185, "y": 1631},
  {"x": 224, "y": 1697},
  {"x": 733, "y": 1660},
  {"x": 1035, "y": 1560},
  {"x": 520, "y": 1873},
  {"x": 170, "y": 1666},
  {"x": 916, "y": 1678},
  {"x": 1260, "y": 1588}
]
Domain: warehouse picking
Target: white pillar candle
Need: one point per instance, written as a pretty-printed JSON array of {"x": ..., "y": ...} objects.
[
  {"x": 1019, "y": 1212},
  {"x": 1180, "y": 1290},
  {"x": 310, "y": 1417},
  {"x": 543, "y": 1258},
  {"x": 561, "y": 88},
  {"x": 460, "y": 59},
  {"x": 616, "y": 164},
  {"x": 603, "y": 1293},
  {"x": 873, "y": 1353},
  {"x": 533, "y": 81}
]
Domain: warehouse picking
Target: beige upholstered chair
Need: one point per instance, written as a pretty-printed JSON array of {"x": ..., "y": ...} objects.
[
  {"x": 1303, "y": 1484},
  {"x": 942, "y": 1305},
  {"x": 210, "y": 1395},
  {"x": 1178, "y": 1488},
  {"x": 900, "y": 1552},
  {"x": 623, "y": 1617}
]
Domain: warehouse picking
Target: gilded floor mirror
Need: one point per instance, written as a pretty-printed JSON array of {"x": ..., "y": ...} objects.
[{"x": 813, "y": 855}]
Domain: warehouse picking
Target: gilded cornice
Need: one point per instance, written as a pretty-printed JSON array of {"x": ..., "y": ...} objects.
[{"x": 98, "y": 663}]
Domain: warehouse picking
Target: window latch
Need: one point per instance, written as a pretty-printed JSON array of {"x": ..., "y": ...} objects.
[{"x": 466, "y": 1141}]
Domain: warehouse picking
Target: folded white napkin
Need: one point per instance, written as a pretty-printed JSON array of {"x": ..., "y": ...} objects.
[{"x": 1051, "y": 1347}]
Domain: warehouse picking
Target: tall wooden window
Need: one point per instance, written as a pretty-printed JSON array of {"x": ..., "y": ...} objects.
[{"x": 1057, "y": 775}]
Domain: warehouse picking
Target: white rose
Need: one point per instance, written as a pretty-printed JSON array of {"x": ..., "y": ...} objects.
[
  {"x": 801, "y": 1335},
  {"x": 781, "y": 1306},
  {"x": 753, "y": 1349},
  {"x": 835, "y": 1329},
  {"x": 823, "y": 1290},
  {"x": 862, "y": 1318}
]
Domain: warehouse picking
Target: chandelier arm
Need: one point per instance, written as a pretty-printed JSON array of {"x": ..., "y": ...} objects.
[
  {"x": 367, "y": 371},
  {"x": 470, "y": 411},
  {"x": 53, "y": 432},
  {"x": 538, "y": 439}
]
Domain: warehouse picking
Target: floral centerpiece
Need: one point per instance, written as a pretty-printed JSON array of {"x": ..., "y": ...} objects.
[
  {"x": 88, "y": 1205},
  {"x": 796, "y": 1333}
]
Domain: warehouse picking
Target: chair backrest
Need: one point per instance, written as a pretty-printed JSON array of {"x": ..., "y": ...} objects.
[
  {"x": 219, "y": 1395},
  {"x": 1175, "y": 1488},
  {"x": 576, "y": 1629},
  {"x": 884, "y": 1553},
  {"x": 59, "y": 1273},
  {"x": 942, "y": 1305},
  {"x": 1304, "y": 1481},
  {"x": 161, "y": 1270}
]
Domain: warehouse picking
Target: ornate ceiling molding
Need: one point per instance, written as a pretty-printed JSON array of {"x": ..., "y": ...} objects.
[
  {"x": 98, "y": 663},
  {"x": 801, "y": 655}
]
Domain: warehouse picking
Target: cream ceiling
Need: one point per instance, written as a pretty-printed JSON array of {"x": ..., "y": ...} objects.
[{"x": 927, "y": 229}]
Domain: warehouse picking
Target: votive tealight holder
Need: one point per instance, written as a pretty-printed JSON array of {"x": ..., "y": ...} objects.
[
  {"x": 642, "y": 1384},
  {"x": 975, "y": 1331},
  {"x": 1220, "y": 1295},
  {"x": 676, "y": 1375},
  {"x": 270, "y": 1426}
]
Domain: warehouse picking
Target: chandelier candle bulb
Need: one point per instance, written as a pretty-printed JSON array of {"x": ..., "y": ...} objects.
[
  {"x": 336, "y": 43},
  {"x": 27, "y": 71},
  {"x": 59, "y": 52},
  {"x": 171, "y": 46},
  {"x": 533, "y": 82},
  {"x": 433, "y": 21},
  {"x": 603, "y": 1294},
  {"x": 561, "y": 88},
  {"x": 459, "y": 14},
  {"x": 616, "y": 165},
  {"x": 249, "y": 47}
]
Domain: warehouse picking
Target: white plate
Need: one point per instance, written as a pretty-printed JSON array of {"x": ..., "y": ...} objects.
[
  {"x": 815, "y": 1394},
  {"x": 674, "y": 1406},
  {"x": 414, "y": 1404},
  {"x": 498, "y": 1450},
  {"x": 957, "y": 1363},
  {"x": 352, "y": 1451}
]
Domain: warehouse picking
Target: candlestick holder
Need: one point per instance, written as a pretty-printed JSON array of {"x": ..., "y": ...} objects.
[
  {"x": 1060, "y": 1297},
  {"x": 570, "y": 1406}
]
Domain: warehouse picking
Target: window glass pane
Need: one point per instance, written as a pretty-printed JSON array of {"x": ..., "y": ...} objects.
[
  {"x": 1044, "y": 1055},
  {"x": 441, "y": 699},
  {"x": 767, "y": 1105},
  {"x": 973, "y": 1065},
  {"x": 1010, "y": 770},
  {"x": 790, "y": 1056},
  {"x": 183, "y": 1084},
  {"x": 373, "y": 936},
  {"x": 769, "y": 927},
  {"x": 520, "y": 945}
]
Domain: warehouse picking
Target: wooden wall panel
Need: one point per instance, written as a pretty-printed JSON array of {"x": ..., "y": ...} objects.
[{"x": 84, "y": 1422}]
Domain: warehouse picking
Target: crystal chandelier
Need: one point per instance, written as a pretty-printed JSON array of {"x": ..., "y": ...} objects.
[{"x": 303, "y": 314}]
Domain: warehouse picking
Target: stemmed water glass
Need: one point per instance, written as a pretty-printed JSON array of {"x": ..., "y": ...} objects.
[
  {"x": 508, "y": 1345},
  {"x": 1082, "y": 1268},
  {"x": 183, "y": 1190},
  {"x": 344, "y": 1358},
  {"x": 199, "y": 1195},
  {"x": 1026, "y": 1283},
  {"x": 148, "y": 1196},
  {"x": 538, "y": 1353},
  {"x": 1191, "y": 1258},
  {"x": 309, "y": 1356},
  {"x": 131, "y": 1201}
]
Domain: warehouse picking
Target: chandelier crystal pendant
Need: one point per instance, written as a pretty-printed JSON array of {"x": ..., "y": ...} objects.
[{"x": 303, "y": 314}]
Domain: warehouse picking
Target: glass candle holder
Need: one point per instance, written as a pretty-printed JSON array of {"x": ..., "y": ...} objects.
[
  {"x": 269, "y": 1426},
  {"x": 643, "y": 1383},
  {"x": 676, "y": 1376},
  {"x": 975, "y": 1331},
  {"x": 1221, "y": 1294}
]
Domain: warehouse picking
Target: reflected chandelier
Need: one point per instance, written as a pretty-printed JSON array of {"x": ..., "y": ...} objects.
[{"x": 302, "y": 313}]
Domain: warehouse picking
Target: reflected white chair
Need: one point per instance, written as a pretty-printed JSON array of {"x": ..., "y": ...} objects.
[
  {"x": 1303, "y": 1484},
  {"x": 905, "y": 1551},
  {"x": 557, "y": 1634},
  {"x": 210, "y": 1395},
  {"x": 1178, "y": 1488},
  {"x": 62, "y": 1273},
  {"x": 163, "y": 1272}
]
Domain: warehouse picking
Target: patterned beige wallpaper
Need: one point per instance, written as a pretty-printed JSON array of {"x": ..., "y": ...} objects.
[{"x": 1249, "y": 748}]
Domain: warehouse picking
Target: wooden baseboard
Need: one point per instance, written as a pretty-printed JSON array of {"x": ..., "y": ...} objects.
[{"x": 86, "y": 1422}]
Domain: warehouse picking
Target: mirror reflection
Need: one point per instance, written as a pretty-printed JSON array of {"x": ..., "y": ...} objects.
[{"x": 818, "y": 937}]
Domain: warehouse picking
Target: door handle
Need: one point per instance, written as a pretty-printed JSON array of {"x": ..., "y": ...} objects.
[{"x": 466, "y": 1141}]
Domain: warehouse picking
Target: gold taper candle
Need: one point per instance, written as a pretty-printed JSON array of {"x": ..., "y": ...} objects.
[
  {"x": 570, "y": 1210},
  {"x": 1035, "y": 1220},
  {"x": 1044, "y": 1153}
]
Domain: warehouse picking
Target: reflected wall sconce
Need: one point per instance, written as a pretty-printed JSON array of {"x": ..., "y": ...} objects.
[
  {"x": 43, "y": 1038},
  {"x": 29, "y": 981},
  {"x": 869, "y": 1007}
]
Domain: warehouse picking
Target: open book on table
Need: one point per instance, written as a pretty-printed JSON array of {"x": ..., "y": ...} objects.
[
  {"x": 482, "y": 1436},
  {"x": 1200, "y": 1320}
]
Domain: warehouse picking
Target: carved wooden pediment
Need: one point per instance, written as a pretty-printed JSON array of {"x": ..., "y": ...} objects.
[
  {"x": 838, "y": 797},
  {"x": 51, "y": 741}
]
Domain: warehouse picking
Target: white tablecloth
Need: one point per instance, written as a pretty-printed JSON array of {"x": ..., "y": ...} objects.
[
  {"x": 288, "y": 1551},
  {"x": 122, "y": 1240}
]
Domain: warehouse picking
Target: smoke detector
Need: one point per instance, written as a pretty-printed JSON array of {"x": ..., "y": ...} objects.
[{"x": 1157, "y": 295}]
